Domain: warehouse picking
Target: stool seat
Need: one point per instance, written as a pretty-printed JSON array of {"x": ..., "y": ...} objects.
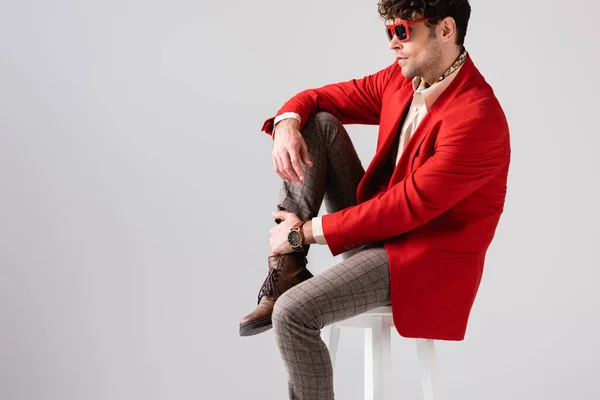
[{"x": 378, "y": 324}]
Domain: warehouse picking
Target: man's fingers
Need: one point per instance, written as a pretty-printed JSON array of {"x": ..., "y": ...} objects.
[
  {"x": 288, "y": 160},
  {"x": 304, "y": 154},
  {"x": 281, "y": 215},
  {"x": 296, "y": 165},
  {"x": 287, "y": 167},
  {"x": 280, "y": 170},
  {"x": 276, "y": 166}
]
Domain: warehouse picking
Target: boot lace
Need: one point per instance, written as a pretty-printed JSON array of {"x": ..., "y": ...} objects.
[{"x": 268, "y": 286}]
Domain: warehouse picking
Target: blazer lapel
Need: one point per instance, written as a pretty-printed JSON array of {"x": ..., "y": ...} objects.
[
  {"x": 400, "y": 102},
  {"x": 390, "y": 125},
  {"x": 464, "y": 75},
  {"x": 388, "y": 131}
]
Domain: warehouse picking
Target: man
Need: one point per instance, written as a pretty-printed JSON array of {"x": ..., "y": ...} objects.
[{"x": 414, "y": 228}]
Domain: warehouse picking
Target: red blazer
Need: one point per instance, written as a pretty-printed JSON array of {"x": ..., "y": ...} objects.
[{"x": 438, "y": 212}]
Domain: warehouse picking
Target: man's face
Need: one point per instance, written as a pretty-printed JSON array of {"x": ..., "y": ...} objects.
[{"x": 421, "y": 55}]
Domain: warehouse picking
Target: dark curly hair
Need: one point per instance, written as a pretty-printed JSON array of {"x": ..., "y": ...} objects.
[{"x": 437, "y": 10}]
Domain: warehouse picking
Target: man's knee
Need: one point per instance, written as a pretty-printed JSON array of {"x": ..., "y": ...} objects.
[
  {"x": 320, "y": 126},
  {"x": 285, "y": 308},
  {"x": 323, "y": 120},
  {"x": 291, "y": 310}
]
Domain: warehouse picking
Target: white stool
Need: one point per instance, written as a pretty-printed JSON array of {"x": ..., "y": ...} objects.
[{"x": 378, "y": 325}]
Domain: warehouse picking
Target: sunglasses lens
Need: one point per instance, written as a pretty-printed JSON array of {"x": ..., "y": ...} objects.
[
  {"x": 390, "y": 33},
  {"x": 400, "y": 32}
]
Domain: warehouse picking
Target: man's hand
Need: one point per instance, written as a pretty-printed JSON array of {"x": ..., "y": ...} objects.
[
  {"x": 289, "y": 151},
  {"x": 279, "y": 233}
]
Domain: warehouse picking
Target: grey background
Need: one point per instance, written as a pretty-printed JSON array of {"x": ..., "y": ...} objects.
[{"x": 137, "y": 191}]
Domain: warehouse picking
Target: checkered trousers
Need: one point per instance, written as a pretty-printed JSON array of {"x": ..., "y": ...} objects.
[{"x": 357, "y": 284}]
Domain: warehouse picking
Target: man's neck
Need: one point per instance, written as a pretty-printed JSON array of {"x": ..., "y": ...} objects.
[{"x": 447, "y": 63}]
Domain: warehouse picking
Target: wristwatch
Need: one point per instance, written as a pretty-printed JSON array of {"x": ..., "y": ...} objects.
[{"x": 296, "y": 237}]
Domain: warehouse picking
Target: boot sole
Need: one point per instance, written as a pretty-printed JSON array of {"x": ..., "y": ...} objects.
[{"x": 256, "y": 327}]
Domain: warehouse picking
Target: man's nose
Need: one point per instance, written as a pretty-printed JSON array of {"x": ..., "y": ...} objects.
[{"x": 395, "y": 43}]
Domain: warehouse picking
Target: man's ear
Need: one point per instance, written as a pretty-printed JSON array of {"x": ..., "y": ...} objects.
[{"x": 447, "y": 28}]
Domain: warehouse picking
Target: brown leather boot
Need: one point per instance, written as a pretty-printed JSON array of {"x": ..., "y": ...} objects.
[{"x": 285, "y": 272}]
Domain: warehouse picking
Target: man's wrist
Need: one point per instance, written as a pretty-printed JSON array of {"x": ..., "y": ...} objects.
[
  {"x": 308, "y": 233},
  {"x": 295, "y": 123}
]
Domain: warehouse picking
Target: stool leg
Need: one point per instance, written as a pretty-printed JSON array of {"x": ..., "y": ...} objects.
[
  {"x": 378, "y": 362},
  {"x": 428, "y": 361},
  {"x": 331, "y": 337}
]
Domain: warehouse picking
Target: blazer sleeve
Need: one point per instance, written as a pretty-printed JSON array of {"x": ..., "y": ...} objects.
[
  {"x": 357, "y": 101},
  {"x": 466, "y": 158}
]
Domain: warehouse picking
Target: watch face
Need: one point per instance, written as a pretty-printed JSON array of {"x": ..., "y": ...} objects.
[{"x": 294, "y": 238}]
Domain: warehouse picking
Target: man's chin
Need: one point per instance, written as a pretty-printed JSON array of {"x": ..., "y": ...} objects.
[{"x": 408, "y": 73}]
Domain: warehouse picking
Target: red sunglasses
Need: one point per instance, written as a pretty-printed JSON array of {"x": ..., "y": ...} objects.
[{"x": 401, "y": 29}]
